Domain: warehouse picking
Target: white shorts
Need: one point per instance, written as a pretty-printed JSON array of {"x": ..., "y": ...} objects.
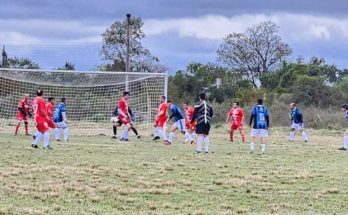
[
  {"x": 297, "y": 126},
  {"x": 259, "y": 132},
  {"x": 60, "y": 125},
  {"x": 180, "y": 124}
]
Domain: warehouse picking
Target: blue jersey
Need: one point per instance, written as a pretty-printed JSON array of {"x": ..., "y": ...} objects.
[
  {"x": 176, "y": 113},
  {"x": 58, "y": 116},
  {"x": 260, "y": 117},
  {"x": 346, "y": 117},
  {"x": 296, "y": 116}
]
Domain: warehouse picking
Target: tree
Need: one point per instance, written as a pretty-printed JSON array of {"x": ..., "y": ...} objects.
[
  {"x": 254, "y": 53},
  {"x": 67, "y": 66},
  {"x": 115, "y": 45},
  {"x": 4, "y": 59},
  {"x": 16, "y": 63}
]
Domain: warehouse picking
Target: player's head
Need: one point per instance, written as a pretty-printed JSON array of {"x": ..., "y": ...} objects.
[
  {"x": 26, "y": 97},
  {"x": 235, "y": 104},
  {"x": 162, "y": 99},
  {"x": 51, "y": 100},
  {"x": 344, "y": 107},
  {"x": 292, "y": 105},
  {"x": 63, "y": 100},
  {"x": 126, "y": 95},
  {"x": 202, "y": 96},
  {"x": 185, "y": 106},
  {"x": 170, "y": 103},
  {"x": 260, "y": 101},
  {"x": 39, "y": 92}
]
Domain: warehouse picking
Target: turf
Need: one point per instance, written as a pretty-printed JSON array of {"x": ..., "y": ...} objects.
[{"x": 96, "y": 175}]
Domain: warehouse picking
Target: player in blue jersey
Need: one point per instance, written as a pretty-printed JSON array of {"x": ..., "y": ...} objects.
[
  {"x": 61, "y": 120},
  {"x": 345, "y": 138},
  {"x": 178, "y": 124},
  {"x": 296, "y": 123},
  {"x": 259, "y": 123}
]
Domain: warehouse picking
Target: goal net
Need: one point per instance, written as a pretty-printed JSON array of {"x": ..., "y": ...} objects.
[{"x": 91, "y": 96}]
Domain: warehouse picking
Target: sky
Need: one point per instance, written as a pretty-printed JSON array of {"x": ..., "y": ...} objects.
[{"x": 178, "y": 32}]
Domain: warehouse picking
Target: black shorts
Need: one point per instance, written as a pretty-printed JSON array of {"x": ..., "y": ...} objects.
[{"x": 203, "y": 128}]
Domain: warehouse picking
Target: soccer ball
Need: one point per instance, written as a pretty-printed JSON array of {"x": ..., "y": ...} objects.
[{"x": 114, "y": 119}]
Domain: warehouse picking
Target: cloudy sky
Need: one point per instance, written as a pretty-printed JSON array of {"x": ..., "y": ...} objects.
[{"x": 178, "y": 31}]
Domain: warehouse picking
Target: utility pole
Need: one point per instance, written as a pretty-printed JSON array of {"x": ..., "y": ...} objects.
[{"x": 128, "y": 50}]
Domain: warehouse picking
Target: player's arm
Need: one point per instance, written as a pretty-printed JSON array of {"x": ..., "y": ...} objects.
[
  {"x": 300, "y": 118},
  {"x": 242, "y": 113},
  {"x": 42, "y": 109},
  {"x": 121, "y": 112},
  {"x": 21, "y": 108},
  {"x": 252, "y": 116},
  {"x": 228, "y": 117},
  {"x": 194, "y": 115},
  {"x": 267, "y": 119}
]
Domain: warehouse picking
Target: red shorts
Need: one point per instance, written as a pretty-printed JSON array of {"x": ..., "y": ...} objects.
[
  {"x": 160, "y": 123},
  {"x": 190, "y": 126},
  {"x": 50, "y": 123},
  {"x": 22, "y": 117},
  {"x": 124, "y": 120},
  {"x": 42, "y": 127},
  {"x": 235, "y": 126}
]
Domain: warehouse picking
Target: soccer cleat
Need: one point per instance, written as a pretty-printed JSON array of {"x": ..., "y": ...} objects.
[
  {"x": 27, "y": 134},
  {"x": 34, "y": 146},
  {"x": 306, "y": 141},
  {"x": 192, "y": 142},
  {"x": 139, "y": 137},
  {"x": 123, "y": 139},
  {"x": 48, "y": 147},
  {"x": 197, "y": 152},
  {"x": 166, "y": 142},
  {"x": 251, "y": 152},
  {"x": 342, "y": 148},
  {"x": 205, "y": 152},
  {"x": 34, "y": 136},
  {"x": 156, "y": 138},
  {"x": 57, "y": 140},
  {"x": 113, "y": 137}
]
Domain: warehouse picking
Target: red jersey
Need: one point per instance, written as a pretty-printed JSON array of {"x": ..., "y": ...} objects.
[
  {"x": 162, "y": 108},
  {"x": 237, "y": 115},
  {"x": 49, "y": 110},
  {"x": 189, "y": 113},
  {"x": 24, "y": 105},
  {"x": 39, "y": 106},
  {"x": 123, "y": 106}
]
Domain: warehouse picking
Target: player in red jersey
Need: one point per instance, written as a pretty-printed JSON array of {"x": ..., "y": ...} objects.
[
  {"x": 41, "y": 118},
  {"x": 124, "y": 115},
  {"x": 161, "y": 119},
  {"x": 23, "y": 113},
  {"x": 50, "y": 111},
  {"x": 190, "y": 127},
  {"x": 237, "y": 115}
]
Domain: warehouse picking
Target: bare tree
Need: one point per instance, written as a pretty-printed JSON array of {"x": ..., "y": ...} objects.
[{"x": 256, "y": 52}]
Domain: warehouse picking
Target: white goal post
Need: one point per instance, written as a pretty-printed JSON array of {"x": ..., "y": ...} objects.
[{"x": 91, "y": 96}]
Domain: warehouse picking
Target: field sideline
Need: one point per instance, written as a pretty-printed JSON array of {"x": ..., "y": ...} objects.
[{"x": 93, "y": 175}]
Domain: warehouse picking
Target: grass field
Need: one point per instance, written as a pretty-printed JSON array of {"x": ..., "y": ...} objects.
[{"x": 95, "y": 175}]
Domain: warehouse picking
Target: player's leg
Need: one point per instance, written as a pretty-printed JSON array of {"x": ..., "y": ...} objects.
[
  {"x": 57, "y": 131},
  {"x": 206, "y": 137},
  {"x": 181, "y": 127},
  {"x": 65, "y": 132},
  {"x": 200, "y": 140},
  {"x": 160, "y": 131},
  {"x": 263, "y": 135},
  {"x": 172, "y": 133},
  {"x": 304, "y": 134},
  {"x": 38, "y": 137},
  {"x": 253, "y": 134},
  {"x": 345, "y": 141},
  {"x": 126, "y": 131},
  {"x": 135, "y": 131},
  {"x": 241, "y": 131},
  {"x": 26, "y": 127},
  {"x": 292, "y": 132},
  {"x": 20, "y": 120},
  {"x": 114, "y": 129}
]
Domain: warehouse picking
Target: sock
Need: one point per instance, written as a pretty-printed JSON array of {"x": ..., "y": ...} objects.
[
  {"x": 345, "y": 142},
  {"x": 124, "y": 133},
  {"x": 66, "y": 133},
  {"x": 36, "y": 133},
  {"x": 135, "y": 131},
  {"x": 38, "y": 137},
  {"x": 156, "y": 133},
  {"x": 26, "y": 128},
  {"x": 161, "y": 133},
  {"x": 292, "y": 136},
  {"x": 243, "y": 135},
  {"x": 199, "y": 143},
  {"x": 188, "y": 136},
  {"x": 114, "y": 128},
  {"x": 252, "y": 146},
  {"x": 17, "y": 127},
  {"x": 46, "y": 136},
  {"x": 206, "y": 141},
  {"x": 171, "y": 136},
  {"x": 56, "y": 133},
  {"x": 304, "y": 136},
  {"x": 193, "y": 135},
  {"x": 263, "y": 148},
  {"x": 231, "y": 136}
]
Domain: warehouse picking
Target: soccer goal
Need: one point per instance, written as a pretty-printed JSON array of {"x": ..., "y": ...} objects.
[{"x": 91, "y": 96}]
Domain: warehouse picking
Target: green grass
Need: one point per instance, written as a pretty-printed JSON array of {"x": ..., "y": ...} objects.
[{"x": 95, "y": 175}]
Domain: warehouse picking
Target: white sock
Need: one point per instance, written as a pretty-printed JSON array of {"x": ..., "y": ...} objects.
[
  {"x": 171, "y": 136},
  {"x": 162, "y": 134},
  {"x": 66, "y": 134},
  {"x": 304, "y": 136},
  {"x": 199, "y": 143},
  {"x": 124, "y": 133},
  {"x": 56, "y": 133},
  {"x": 263, "y": 148},
  {"x": 252, "y": 146},
  {"x": 345, "y": 142},
  {"x": 188, "y": 136},
  {"x": 206, "y": 141},
  {"x": 292, "y": 136},
  {"x": 46, "y": 139},
  {"x": 38, "y": 137},
  {"x": 36, "y": 133},
  {"x": 193, "y": 135},
  {"x": 156, "y": 132}
]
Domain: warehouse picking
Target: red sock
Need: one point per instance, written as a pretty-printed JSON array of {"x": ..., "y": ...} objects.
[
  {"x": 243, "y": 137},
  {"x": 17, "y": 127},
  {"x": 26, "y": 129},
  {"x": 231, "y": 137}
]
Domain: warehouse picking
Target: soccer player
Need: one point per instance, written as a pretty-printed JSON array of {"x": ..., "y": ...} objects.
[
  {"x": 160, "y": 120},
  {"x": 23, "y": 113},
  {"x": 345, "y": 138},
  {"x": 296, "y": 123},
  {"x": 114, "y": 128},
  {"x": 259, "y": 123},
  {"x": 190, "y": 127},
  {"x": 203, "y": 114},
  {"x": 123, "y": 114},
  {"x": 61, "y": 121},
  {"x": 135, "y": 131},
  {"x": 179, "y": 123},
  {"x": 41, "y": 118},
  {"x": 237, "y": 115},
  {"x": 49, "y": 110}
]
